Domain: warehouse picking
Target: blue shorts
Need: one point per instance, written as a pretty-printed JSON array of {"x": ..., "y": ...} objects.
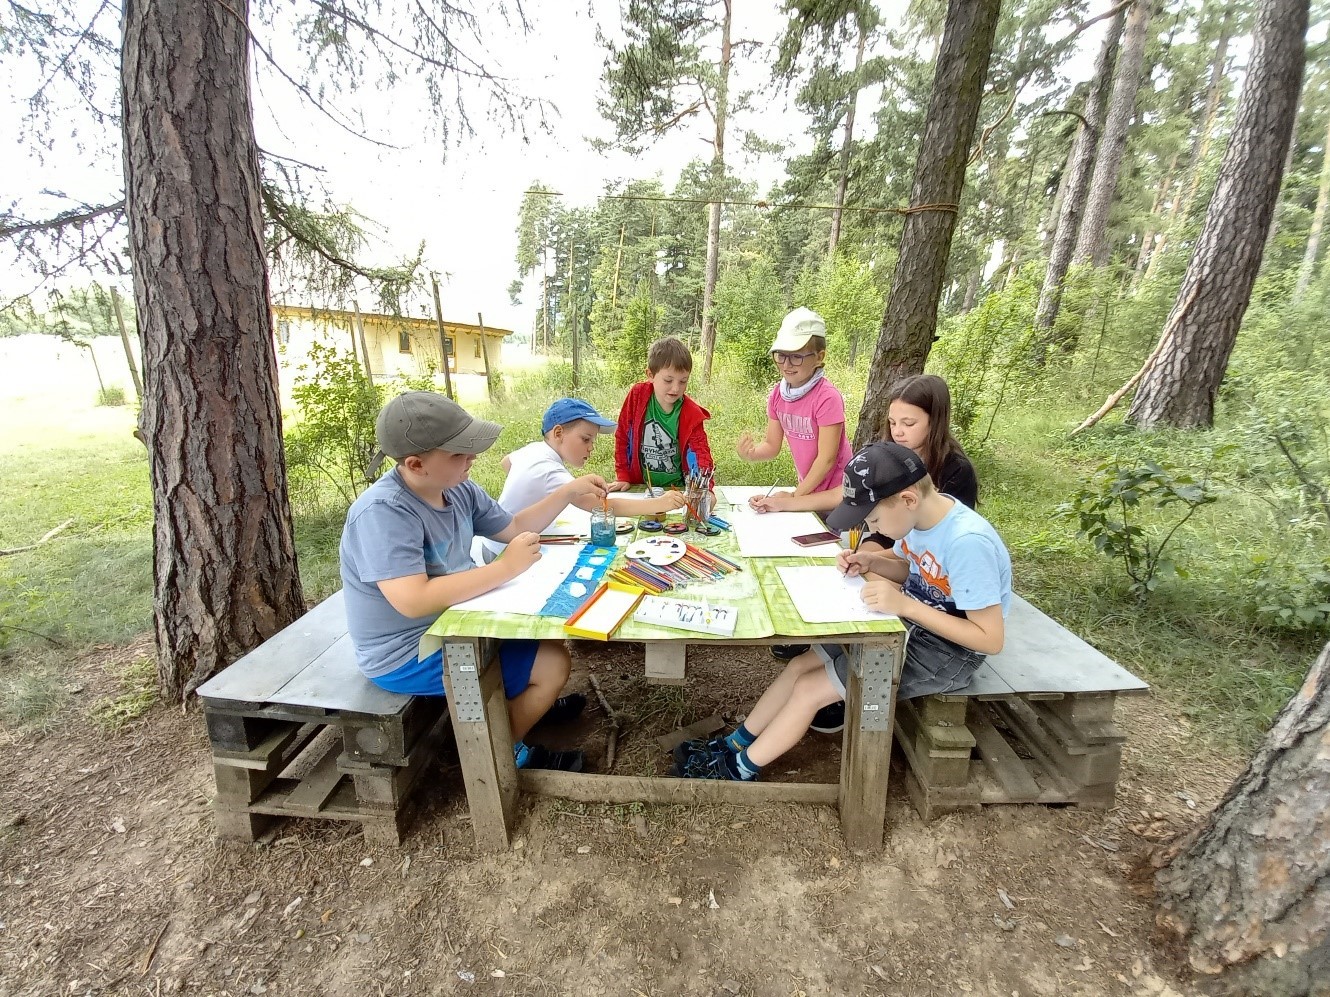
[{"x": 425, "y": 678}]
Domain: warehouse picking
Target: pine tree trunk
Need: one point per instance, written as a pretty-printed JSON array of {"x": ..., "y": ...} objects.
[
  {"x": 1179, "y": 388},
  {"x": 1318, "y": 220},
  {"x": 1248, "y": 891},
  {"x": 1075, "y": 183},
  {"x": 972, "y": 289},
  {"x": 847, "y": 143},
  {"x": 713, "y": 209},
  {"x": 909, "y": 324},
  {"x": 1092, "y": 240},
  {"x": 225, "y": 574}
]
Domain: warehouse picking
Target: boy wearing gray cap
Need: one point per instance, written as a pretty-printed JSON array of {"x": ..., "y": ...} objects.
[
  {"x": 405, "y": 558},
  {"x": 948, "y": 579}
]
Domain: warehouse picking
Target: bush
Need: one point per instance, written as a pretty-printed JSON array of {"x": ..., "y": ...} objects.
[
  {"x": 1108, "y": 511},
  {"x": 749, "y": 309},
  {"x": 111, "y": 395},
  {"x": 1292, "y": 597}
]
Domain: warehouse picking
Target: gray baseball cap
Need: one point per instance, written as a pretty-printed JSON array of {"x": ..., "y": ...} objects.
[
  {"x": 420, "y": 421},
  {"x": 878, "y": 471}
]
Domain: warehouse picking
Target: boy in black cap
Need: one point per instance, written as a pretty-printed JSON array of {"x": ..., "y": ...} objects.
[
  {"x": 406, "y": 557},
  {"x": 948, "y": 579}
]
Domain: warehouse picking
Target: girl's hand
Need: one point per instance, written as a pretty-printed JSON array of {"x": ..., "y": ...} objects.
[
  {"x": 746, "y": 446},
  {"x": 775, "y": 502},
  {"x": 618, "y": 486}
]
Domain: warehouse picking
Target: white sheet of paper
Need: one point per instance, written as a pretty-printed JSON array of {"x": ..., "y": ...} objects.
[
  {"x": 768, "y": 534},
  {"x": 821, "y": 594},
  {"x": 740, "y": 494},
  {"x": 572, "y": 521},
  {"x": 529, "y": 591}
]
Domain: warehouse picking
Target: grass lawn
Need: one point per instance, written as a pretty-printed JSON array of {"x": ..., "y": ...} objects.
[{"x": 1197, "y": 640}]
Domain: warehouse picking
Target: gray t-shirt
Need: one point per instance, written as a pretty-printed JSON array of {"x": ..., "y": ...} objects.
[{"x": 391, "y": 533}]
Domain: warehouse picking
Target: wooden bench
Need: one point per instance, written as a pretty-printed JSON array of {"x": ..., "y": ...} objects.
[
  {"x": 296, "y": 730},
  {"x": 1034, "y": 726}
]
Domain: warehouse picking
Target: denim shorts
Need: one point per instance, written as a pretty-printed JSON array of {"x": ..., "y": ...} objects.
[
  {"x": 425, "y": 678},
  {"x": 933, "y": 665}
]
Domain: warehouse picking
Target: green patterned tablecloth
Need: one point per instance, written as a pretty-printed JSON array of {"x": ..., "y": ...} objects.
[{"x": 765, "y": 606}]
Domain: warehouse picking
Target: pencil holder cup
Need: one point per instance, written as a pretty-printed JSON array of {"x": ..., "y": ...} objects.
[
  {"x": 698, "y": 510},
  {"x": 602, "y": 527}
]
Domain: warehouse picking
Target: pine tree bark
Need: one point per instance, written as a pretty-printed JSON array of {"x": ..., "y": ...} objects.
[
  {"x": 1318, "y": 221},
  {"x": 1073, "y": 190},
  {"x": 1180, "y": 386},
  {"x": 909, "y": 324},
  {"x": 1092, "y": 240},
  {"x": 224, "y": 564},
  {"x": 713, "y": 209},
  {"x": 1248, "y": 891}
]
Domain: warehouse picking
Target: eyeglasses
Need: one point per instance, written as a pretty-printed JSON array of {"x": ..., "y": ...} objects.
[{"x": 793, "y": 359}]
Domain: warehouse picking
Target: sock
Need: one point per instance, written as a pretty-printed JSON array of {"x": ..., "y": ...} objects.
[
  {"x": 745, "y": 767},
  {"x": 740, "y": 738},
  {"x": 521, "y": 752}
]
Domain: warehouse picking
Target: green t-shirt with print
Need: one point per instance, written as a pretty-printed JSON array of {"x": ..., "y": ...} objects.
[{"x": 660, "y": 444}]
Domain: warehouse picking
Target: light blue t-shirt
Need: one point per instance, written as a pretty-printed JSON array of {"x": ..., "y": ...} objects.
[
  {"x": 959, "y": 564},
  {"x": 390, "y": 533}
]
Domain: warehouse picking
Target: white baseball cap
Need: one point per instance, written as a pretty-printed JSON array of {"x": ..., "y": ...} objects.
[{"x": 797, "y": 329}]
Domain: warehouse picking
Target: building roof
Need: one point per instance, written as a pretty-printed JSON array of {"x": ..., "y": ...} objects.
[{"x": 420, "y": 324}]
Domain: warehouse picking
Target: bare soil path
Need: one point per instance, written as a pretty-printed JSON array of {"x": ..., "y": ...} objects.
[{"x": 111, "y": 880}]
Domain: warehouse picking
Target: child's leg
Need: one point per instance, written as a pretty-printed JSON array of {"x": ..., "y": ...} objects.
[
  {"x": 549, "y": 673},
  {"x": 779, "y": 692},
  {"x": 812, "y": 689}
]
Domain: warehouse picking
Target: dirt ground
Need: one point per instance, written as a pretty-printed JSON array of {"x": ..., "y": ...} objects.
[{"x": 114, "y": 883}]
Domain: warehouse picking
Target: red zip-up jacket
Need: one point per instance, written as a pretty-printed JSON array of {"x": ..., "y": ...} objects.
[{"x": 632, "y": 421}]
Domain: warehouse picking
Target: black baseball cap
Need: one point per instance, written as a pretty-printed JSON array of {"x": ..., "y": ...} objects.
[{"x": 876, "y": 472}]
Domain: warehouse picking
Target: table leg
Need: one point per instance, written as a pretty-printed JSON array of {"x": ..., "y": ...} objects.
[
  {"x": 666, "y": 662},
  {"x": 479, "y": 713},
  {"x": 870, "y": 710}
]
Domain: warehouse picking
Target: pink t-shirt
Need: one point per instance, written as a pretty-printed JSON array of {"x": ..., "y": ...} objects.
[{"x": 801, "y": 420}]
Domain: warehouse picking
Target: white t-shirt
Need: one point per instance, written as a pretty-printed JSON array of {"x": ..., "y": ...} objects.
[{"x": 533, "y": 473}]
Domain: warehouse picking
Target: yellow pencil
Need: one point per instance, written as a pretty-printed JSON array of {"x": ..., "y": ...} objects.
[{"x": 856, "y": 535}]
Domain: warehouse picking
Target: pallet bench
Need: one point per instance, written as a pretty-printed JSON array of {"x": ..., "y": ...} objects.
[
  {"x": 1034, "y": 726},
  {"x": 296, "y": 730}
]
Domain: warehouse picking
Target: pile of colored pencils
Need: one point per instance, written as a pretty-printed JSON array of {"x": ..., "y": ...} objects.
[{"x": 696, "y": 565}]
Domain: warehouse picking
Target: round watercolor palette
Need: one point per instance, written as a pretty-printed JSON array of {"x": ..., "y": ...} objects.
[{"x": 656, "y": 550}]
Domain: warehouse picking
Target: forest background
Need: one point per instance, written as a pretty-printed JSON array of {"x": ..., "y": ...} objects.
[{"x": 1230, "y": 614}]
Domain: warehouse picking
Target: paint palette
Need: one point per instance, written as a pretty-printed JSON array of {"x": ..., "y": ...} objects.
[{"x": 656, "y": 550}]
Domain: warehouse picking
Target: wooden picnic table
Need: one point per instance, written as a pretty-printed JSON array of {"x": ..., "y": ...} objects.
[{"x": 476, "y": 702}]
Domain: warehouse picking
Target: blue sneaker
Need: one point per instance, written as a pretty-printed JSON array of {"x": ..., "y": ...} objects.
[
  {"x": 698, "y": 746},
  {"x": 709, "y": 765}
]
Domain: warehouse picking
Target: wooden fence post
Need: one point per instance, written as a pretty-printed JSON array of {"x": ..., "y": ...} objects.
[{"x": 443, "y": 340}]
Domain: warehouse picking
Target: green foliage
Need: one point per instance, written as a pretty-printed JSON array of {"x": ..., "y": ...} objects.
[
  {"x": 1293, "y": 597},
  {"x": 749, "y": 309},
  {"x": 842, "y": 290},
  {"x": 625, "y": 353},
  {"x": 111, "y": 394},
  {"x": 333, "y": 440},
  {"x": 1110, "y": 509}
]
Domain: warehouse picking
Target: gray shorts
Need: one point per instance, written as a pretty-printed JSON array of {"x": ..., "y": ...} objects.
[{"x": 933, "y": 665}]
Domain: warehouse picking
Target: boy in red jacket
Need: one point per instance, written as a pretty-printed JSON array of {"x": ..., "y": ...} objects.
[{"x": 659, "y": 426}]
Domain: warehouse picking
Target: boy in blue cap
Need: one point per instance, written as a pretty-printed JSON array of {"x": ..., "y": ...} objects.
[
  {"x": 570, "y": 428},
  {"x": 406, "y": 557},
  {"x": 948, "y": 579}
]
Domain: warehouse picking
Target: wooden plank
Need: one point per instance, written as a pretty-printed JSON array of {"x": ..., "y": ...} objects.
[
  {"x": 333, "y": 681},
  {"x": 1021, "y": 722},
  {"x": 268, "y": 755},
  {"x": 1018, "y": 786},
  {"x": 593, "y": 788},
  {"x": 259, "y": 674},
  {"x": 308, "y": 798},
  {"x": 478, "y": 748},
  {"x": 667, "y": 662},
  {"x": 1041, "y": 655},
  {"x": 866, "y": 756},
  {"x": 702, "y": 728},
  {"x": 986, "y": 682}
]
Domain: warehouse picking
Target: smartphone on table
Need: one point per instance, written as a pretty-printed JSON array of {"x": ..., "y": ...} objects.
[{"x": 817, "y": 539}]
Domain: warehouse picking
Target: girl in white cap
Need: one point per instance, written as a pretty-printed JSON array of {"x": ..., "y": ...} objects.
[{"x": 807, "y": 410}]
